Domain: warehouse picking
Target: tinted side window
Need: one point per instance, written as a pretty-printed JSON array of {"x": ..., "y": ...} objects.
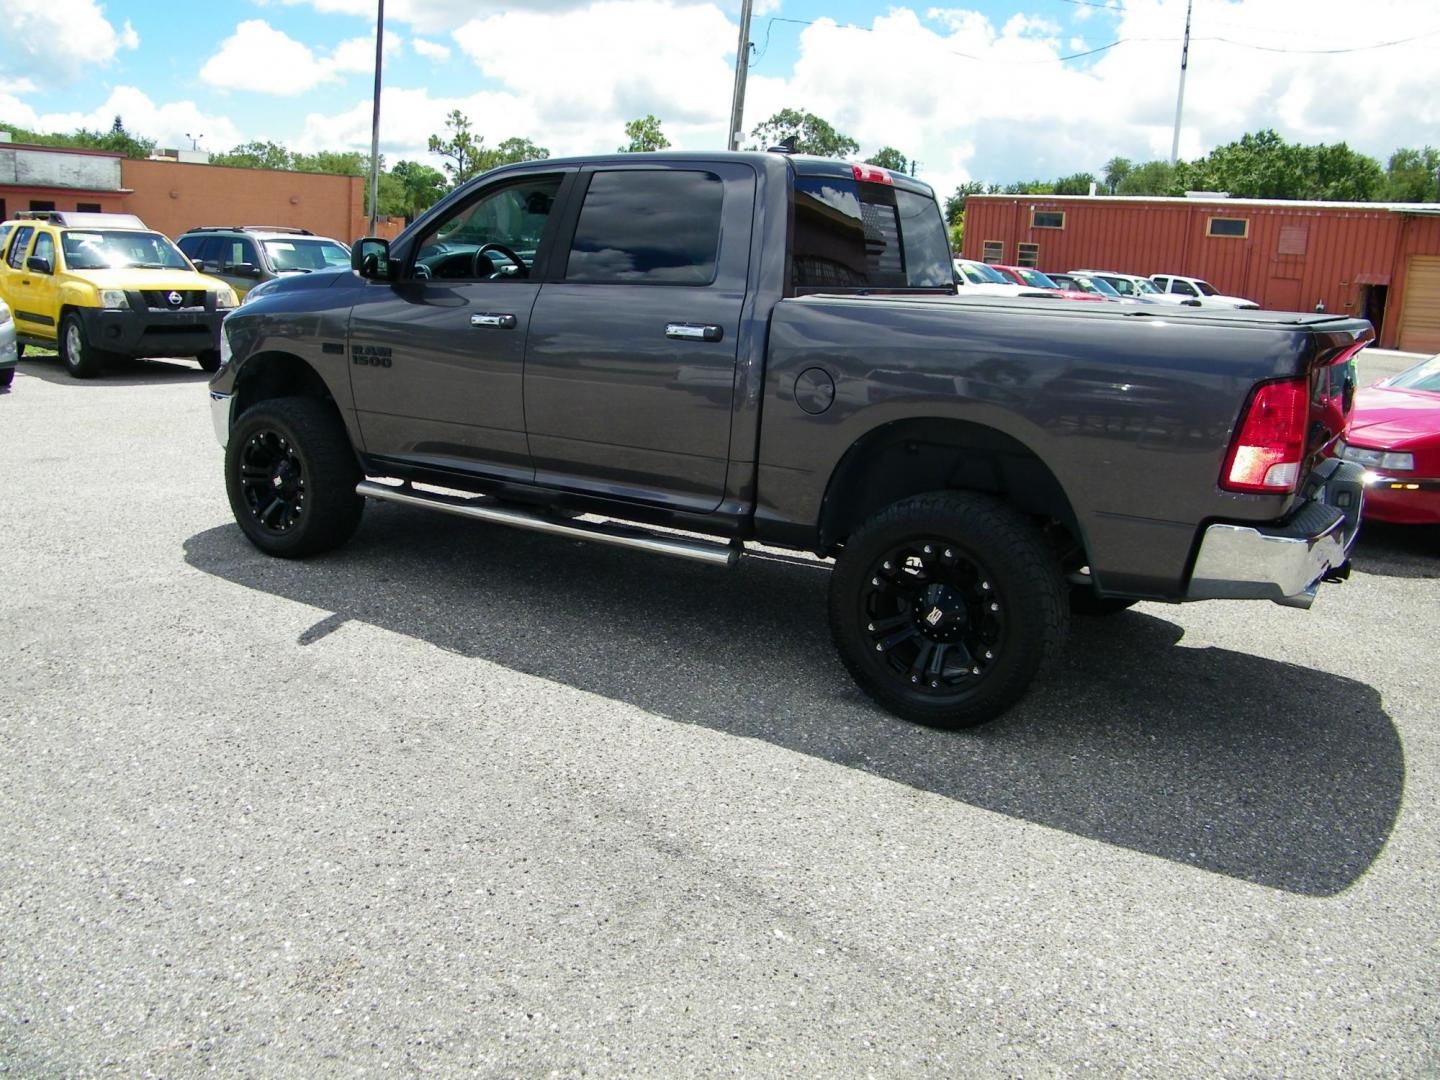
[
  {"x": 854, "y": 235},
  {"x": 190, "y": 245},
  {"x": 19, "y": 244},
  {"x": 650, "y": 227},
  {"x": 45, "y": 248}
]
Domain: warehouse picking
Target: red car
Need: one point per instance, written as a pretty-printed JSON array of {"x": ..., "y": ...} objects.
[
  {"x": 1394, "y": 431},
  {"x": 1025, "y": 275}
]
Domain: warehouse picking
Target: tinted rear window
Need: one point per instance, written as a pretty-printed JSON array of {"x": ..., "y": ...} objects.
[
  {"x": 851, "y": 235},
  {"x": 645, "y": 227}
]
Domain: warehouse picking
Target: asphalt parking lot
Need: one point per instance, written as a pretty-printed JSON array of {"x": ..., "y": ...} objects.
[{"x": 465, "y": 801}]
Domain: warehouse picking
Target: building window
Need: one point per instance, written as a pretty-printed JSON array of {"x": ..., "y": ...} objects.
[
  {"x": 1029, "y": 255},
  {"x": 42, "y": 204},
  {"x": 1047, "y": 219},
  {"x": 88, "y": 207},
  {"x": 1238, "y": 228},
  {"x": 994, "y": 251}
]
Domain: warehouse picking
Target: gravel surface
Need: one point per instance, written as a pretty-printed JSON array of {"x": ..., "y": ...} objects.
[{"x": 465, "y": 801}]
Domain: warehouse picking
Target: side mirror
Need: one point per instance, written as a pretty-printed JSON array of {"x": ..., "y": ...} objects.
[
  {"x": 370, "y": 258},
  {"x": 242, "y": 269},
  {"x": 39, "y": 264}
]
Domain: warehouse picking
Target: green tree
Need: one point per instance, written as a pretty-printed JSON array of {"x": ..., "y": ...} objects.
[
  {"x": 1344, "y": 175},
  {"x": 1074, "y": 184},
  {"x": 1030, "y": 187},
  {"x": 116, "y": 139},
  {"x": 1412, "y": 176},
  {"x": 1150, "y": 178},
  {"x": 462, "y": 149},
  {"x": 255, "y": 155},
  {"x": 644, "y": 134},
  {"x": 509, "y": 151},
  {"x": 813, "y": 135},
  {"x": 414, "y": 188},
  {"x": 345, "y": 163},
  {"x": 955, "y": 203},
  {"x": 1116, "y": 170},
  {"x": 887, "y": 157}
]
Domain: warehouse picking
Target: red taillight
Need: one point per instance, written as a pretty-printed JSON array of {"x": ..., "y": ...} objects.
[
  {"x": 1269, "y": 448},
  {"x": 873, "y": 174}
]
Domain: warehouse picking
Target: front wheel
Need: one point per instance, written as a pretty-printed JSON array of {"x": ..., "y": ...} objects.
[
  {"x": 7, "y": 376},
  {"x": 946, "y": 606},
  {"x": 291, "y": 475},
  {"x": 209, "y": 360},
  {"x": 81, "y": 359}
]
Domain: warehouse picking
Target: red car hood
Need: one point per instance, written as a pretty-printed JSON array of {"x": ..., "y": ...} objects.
[{"x": 1386, "y": 419}]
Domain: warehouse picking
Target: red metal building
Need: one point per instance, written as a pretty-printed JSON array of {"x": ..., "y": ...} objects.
[{"x": 1377, "y": 260}]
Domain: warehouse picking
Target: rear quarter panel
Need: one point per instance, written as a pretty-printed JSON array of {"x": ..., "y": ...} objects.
[{"x": 1132, "y": 415}]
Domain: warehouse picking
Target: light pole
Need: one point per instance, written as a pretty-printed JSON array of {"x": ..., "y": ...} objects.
[
  {"x": 194, "y": 140},
  {"x": 742, "y": 63},
  {"x": 1180, "y": 100},
  {"x": 375, "y": 121}
]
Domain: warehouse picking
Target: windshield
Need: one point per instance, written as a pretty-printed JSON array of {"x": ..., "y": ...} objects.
[
  {"x": 1036, "y": 278},
  {"x": 305, "y": 255},
  {"x": 1145, "y": 287},
  {"x": 1099, "y": 285},
  {"x": 106, "y": 249},
  {"x": 1206, "y": 288},
  {"x": 1423, "y": 376},
  {"x": 981, "y": 274}
]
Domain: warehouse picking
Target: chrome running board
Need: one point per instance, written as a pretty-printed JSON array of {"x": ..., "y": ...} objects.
[{"x": 484, "y": 508}]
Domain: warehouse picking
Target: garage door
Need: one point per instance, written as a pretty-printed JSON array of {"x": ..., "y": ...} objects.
[{"x": 1420, "y": 319}]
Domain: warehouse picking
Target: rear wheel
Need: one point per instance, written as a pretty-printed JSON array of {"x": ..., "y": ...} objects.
[
  {"x": 291, "y": 475},
  {"x": 81, "y": 359},
  {"x": 946, "y": 606},
  {"x": 209, "y": 360}
]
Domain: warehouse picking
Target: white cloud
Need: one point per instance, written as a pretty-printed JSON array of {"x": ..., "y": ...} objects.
[
  {"x": 169, "y": 123},
  {"x": 291, "y": 67},
  {"x": 426, "y": 16},
  {"x": 34, "y": 31},
  {"x": 430, "y": 50}
]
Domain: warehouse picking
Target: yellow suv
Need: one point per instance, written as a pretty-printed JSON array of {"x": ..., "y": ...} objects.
[{"x": 99, "y": 285}]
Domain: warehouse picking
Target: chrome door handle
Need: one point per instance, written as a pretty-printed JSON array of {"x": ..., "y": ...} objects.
[
  {"x": 693, "y": 331},
  {"x": 499, "y": 321}
]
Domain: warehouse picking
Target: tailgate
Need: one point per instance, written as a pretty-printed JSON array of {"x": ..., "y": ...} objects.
[{"x": 1332, "y": 384}]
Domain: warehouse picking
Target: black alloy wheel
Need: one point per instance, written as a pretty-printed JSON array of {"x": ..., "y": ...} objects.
[
  {"x": 272, "y": 478},
  {"x": 946, "y": 606},
  {"x": 933, "y": 615}
]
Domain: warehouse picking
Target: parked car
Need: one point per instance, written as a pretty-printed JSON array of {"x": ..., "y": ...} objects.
[
  {"x": 1140, "y": 288},
  {"x": 766, "y": 347},
  {"x": 1195, "y": 289},
  {"x": 9, "y": 351},
  {"x": 1090, "y": 284},
  {"x": 1394, "y": 432},
  {"x": 244, "y": 255},
  {"x": 1025, "y": 275},
  {"x": 97, "y": 285},
  {"x": 981, "y": 279}
]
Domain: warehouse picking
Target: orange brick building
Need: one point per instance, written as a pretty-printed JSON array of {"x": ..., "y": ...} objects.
[{"x": 173, "y": 196}]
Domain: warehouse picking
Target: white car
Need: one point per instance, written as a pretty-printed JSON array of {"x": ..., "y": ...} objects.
[
  {"x": 1136, "y": 287},
  {"x": 9, "y": 355},
  {"x": 980, "y": 279},
  {"x": 1191, "y": 288}
]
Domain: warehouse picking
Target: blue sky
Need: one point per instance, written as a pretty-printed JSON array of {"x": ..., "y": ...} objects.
[{"x": 976, "y": 91}]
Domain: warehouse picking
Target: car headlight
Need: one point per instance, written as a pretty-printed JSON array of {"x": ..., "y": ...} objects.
[
  {"x": 225, "y": 298},
  {"x": 1378, "y": 459},
  {"x": 114, "y": 299}
]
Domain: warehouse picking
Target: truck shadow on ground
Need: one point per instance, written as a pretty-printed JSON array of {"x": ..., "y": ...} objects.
[
  {"x": 1260, "y": 770},
  {"x": 121, "y": 371},
  {"x": 1404, "y": 551}
]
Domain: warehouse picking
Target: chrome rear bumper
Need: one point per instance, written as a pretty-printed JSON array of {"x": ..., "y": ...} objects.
[{"x": 1285, "y": 563}]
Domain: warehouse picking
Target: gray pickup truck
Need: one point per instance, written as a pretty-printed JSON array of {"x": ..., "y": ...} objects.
[{"x": 637, "y": 349}]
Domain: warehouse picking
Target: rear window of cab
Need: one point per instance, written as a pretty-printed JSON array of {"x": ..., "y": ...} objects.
[{"x": 852, "y": 234}]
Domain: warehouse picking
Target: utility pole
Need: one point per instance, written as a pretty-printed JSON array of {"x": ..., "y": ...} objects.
[
  {"x": 742, "y": 64},
  {"x": 1180, "y": 101},
  {"x": 375, "y": 121}
]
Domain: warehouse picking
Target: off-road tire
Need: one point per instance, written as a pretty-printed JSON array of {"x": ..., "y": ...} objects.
[
  {"x": 303, "y": 443},
  {"x": 209, "y": 360},
  {"x": 81, "y": 359},
  {"x": 1000, "y": 589}
]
